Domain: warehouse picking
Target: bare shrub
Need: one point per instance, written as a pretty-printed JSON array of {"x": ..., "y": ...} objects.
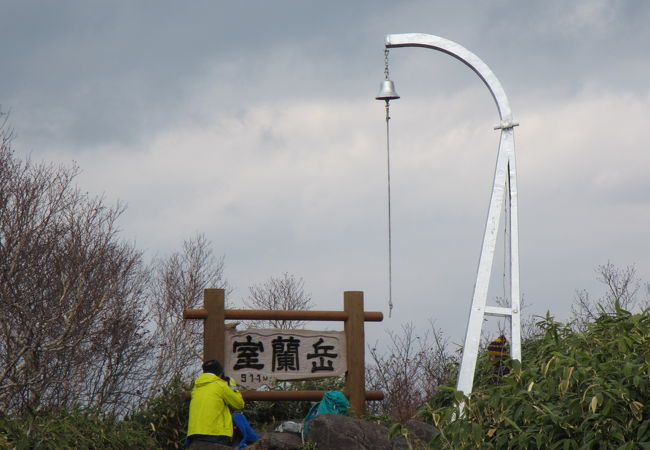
[
  {"x": 622, "y": 287},
  {"x": 71, "y": 294},
  {"x": 279, "y": 293},
  {"x": 409, "y": 371},
  {"x": 178, "y": 282}
]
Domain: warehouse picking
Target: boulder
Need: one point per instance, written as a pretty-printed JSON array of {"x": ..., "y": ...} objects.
[
  {"x": 336, "y": 432},
  {"x": 200, "y": 445},
  {"x": 420, "y": 433},
  {"x": 277, "y": 441}
]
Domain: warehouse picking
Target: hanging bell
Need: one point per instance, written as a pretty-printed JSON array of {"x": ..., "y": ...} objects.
[{"x": 387, "y": 91}]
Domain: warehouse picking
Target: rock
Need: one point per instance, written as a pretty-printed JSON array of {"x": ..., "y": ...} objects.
[
  {"x": 277, "y": 441},
  {"x": 200, "y": 445},
  {"x": 420, "y": 433},
  {"x": 336, "y": 432}
]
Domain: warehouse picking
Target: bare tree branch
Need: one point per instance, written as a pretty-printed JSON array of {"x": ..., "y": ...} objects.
[
  {"x": 178, "y": 284},
  {"x": 72, "y": 294},
  {"x": 409, "y": 371},
  {"x": 279, "y": 293},
  {"x": 621, "y": 287}
]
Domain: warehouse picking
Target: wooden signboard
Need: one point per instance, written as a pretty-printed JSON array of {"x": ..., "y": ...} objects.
[{"x": 256, "y": 358}]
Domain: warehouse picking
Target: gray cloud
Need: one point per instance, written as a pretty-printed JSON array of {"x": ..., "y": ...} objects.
[{"x": 255, "y": 123}]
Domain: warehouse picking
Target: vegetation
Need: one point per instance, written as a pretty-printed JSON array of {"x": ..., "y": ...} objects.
[
  {"x": 409, "y": 369},
  {"x": 577, "y": 389},
  {"x": 164, "y": 418},
  {"x": 71, "y": 429},
  {"x": 71, "y": 294},
  {"x": 87, "y": 322}
]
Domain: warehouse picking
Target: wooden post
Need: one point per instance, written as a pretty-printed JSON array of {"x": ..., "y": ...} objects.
[
  {"x": 355, "y": 378},
  {"x": 214, "y": 325},
  {"x": 314, "y": 396},
  {"x": 275, "y": 314}
]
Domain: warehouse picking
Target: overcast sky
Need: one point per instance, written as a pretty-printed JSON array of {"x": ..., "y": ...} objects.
[{"x": 255, "y": 123}]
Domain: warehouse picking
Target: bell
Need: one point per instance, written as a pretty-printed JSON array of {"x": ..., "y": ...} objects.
[{"x": 387, "y": 91}]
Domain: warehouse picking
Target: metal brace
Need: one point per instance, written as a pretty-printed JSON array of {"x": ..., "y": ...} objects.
[{"x": 504, "y": 125}]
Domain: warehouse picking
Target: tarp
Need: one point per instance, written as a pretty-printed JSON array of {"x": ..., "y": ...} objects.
[{"x": 333, "y": 402}]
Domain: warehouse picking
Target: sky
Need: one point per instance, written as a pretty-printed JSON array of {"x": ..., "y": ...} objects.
[{"x": 255, "y": 124}]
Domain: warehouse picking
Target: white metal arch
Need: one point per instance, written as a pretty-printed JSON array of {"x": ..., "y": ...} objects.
[{"x": 505, "y": 184}]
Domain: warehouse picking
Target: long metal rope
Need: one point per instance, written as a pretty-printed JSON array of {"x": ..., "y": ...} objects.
[{"x": 390, "y": 240}]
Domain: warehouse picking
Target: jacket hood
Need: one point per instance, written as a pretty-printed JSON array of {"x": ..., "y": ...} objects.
[{"x": 206, "y": 378}]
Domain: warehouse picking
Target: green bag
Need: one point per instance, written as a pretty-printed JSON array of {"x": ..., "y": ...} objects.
[{"x": 333, "y": 402}]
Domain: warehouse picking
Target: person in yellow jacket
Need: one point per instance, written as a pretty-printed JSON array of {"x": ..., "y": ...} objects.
[{"x": 212, "y": 397}]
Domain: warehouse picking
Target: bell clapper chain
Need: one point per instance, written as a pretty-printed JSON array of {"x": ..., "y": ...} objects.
[{"x": 387, "y": 93}]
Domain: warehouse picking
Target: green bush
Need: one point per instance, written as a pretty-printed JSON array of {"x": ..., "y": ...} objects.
[
  {"x": 76, "y": 429},
  {"x": 574, "y": 390},
  {"x": 164, "y": 418},
  {"x": 161, "y": 423}
]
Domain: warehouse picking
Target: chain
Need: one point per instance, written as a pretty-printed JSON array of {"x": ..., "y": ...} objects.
[{"x": 386, "y": 64}]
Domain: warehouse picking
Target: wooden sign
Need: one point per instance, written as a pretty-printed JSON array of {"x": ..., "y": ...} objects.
[{"x": 256, "y": 358}]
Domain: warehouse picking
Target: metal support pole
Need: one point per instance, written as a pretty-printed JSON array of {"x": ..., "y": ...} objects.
[{"x": 505, "y": 179}]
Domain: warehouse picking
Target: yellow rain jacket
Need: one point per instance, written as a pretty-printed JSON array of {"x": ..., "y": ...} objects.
[{"x": 209, "y": 412}]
